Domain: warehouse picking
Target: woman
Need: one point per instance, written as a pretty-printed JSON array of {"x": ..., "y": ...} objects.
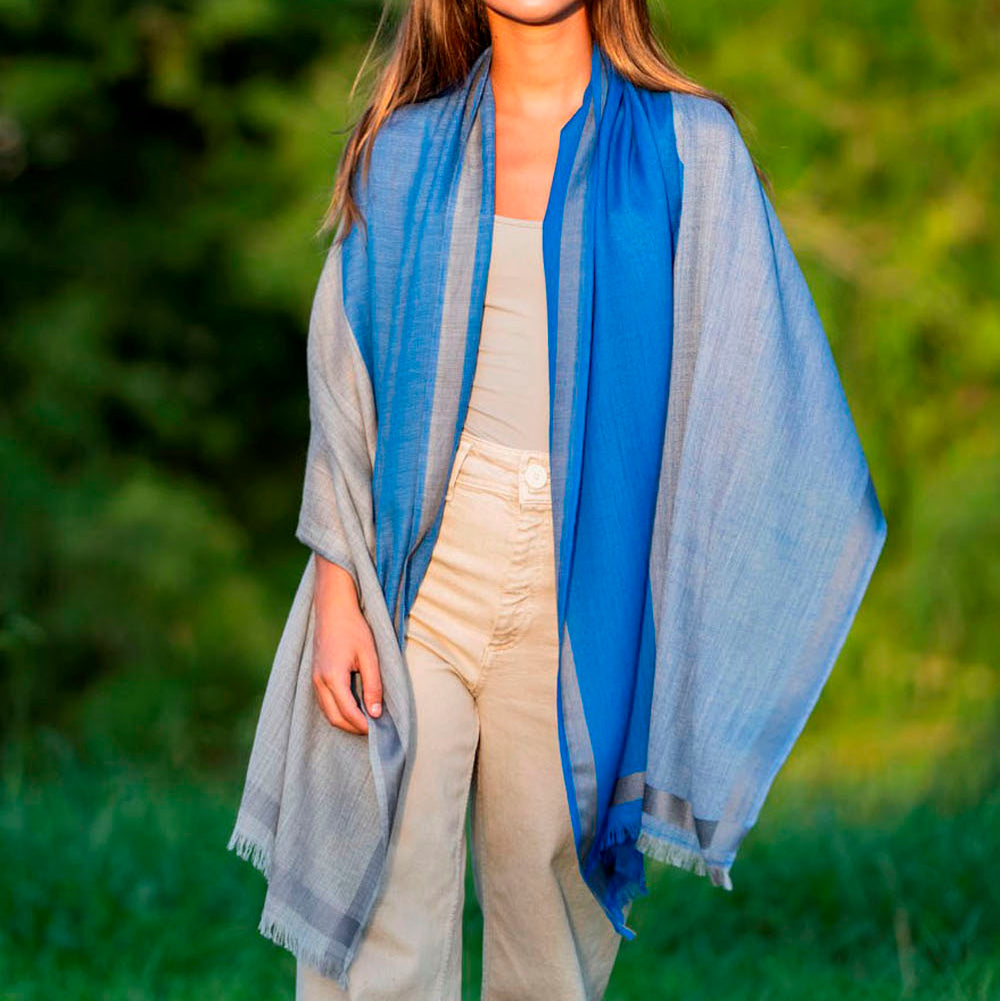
[{"x": 589, "y": 514}]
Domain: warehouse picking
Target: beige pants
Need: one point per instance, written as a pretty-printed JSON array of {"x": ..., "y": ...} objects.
[{"x": 482, "y": 650}]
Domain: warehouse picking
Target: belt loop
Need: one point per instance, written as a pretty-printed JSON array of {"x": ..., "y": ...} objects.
[{"x": 464, "y": 444}]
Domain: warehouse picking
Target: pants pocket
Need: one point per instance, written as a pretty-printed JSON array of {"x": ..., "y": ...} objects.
[{"x": 464, "y": 446}]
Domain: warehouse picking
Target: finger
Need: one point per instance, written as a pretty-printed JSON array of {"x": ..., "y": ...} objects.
[
  {"x": 329, "y": 706},
  {"x": 371, "y": 679},
  {"x": 340, "y": 685}
]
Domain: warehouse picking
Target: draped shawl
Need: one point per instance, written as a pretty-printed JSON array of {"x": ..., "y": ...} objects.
[{"x": 715, "y": 520}]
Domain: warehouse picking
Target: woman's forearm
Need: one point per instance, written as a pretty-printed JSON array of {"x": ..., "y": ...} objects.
[{"x": 335, "y": 585}]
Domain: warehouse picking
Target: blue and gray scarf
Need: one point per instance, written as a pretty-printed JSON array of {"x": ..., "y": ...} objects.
[{"x": 715, "y": 520}]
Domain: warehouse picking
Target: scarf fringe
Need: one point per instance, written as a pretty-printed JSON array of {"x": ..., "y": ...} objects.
[
  {"x": 619, "y": 832},
  {"x": 258, "y": 855},
  {"x": 683, "y": 857},
  {"x": 273, "y": 929},
  {"x": 283, "y": 936},
  {"x": 626, "y": 869}
]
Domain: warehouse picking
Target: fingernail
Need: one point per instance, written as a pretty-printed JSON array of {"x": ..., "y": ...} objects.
[{"x": 376, "y": 708}]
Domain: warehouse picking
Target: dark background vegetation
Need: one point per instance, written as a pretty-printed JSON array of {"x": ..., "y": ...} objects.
[{"x": 163, "y": 168}]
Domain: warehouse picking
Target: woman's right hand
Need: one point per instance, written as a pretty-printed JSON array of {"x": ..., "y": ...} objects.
[{"x": 343, "y": 643}]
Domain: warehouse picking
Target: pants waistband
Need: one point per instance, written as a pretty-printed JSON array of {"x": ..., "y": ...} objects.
[{"x": 521, "y": 473}]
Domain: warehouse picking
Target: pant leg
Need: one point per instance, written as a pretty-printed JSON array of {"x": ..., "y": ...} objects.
[
  {"x": 482, "y": 654},
  {"x": 545, "y": 935},
  {"x": 412, "y": 947},
  {"x": 411, "y": 950}
]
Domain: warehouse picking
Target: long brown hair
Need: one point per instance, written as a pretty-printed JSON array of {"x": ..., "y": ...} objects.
[{"x": 435, "y": 45}]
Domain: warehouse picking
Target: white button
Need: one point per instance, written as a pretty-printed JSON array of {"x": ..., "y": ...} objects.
[{"x": 535, "y": 475}]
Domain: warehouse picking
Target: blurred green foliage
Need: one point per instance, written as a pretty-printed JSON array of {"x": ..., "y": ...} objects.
[{"x": 163, "y": 169}]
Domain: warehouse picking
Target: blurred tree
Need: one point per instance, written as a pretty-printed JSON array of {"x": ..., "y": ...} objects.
[{"x": 158, "y": 251}]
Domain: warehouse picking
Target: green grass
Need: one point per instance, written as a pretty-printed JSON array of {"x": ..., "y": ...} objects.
[
  {"x": 825, "y": 909},
  {"x": 117, "y": 885}
]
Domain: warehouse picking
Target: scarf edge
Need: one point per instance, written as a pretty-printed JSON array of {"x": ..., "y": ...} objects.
[
  {"x": 282, "y": 931},
  {"x": 683, "y": 857}
]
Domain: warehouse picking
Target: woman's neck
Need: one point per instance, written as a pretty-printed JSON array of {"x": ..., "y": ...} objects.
[{"x": 540, "y": 70}]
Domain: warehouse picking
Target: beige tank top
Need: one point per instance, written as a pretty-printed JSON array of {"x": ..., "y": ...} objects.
[{"x": 509, "y": 402}]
